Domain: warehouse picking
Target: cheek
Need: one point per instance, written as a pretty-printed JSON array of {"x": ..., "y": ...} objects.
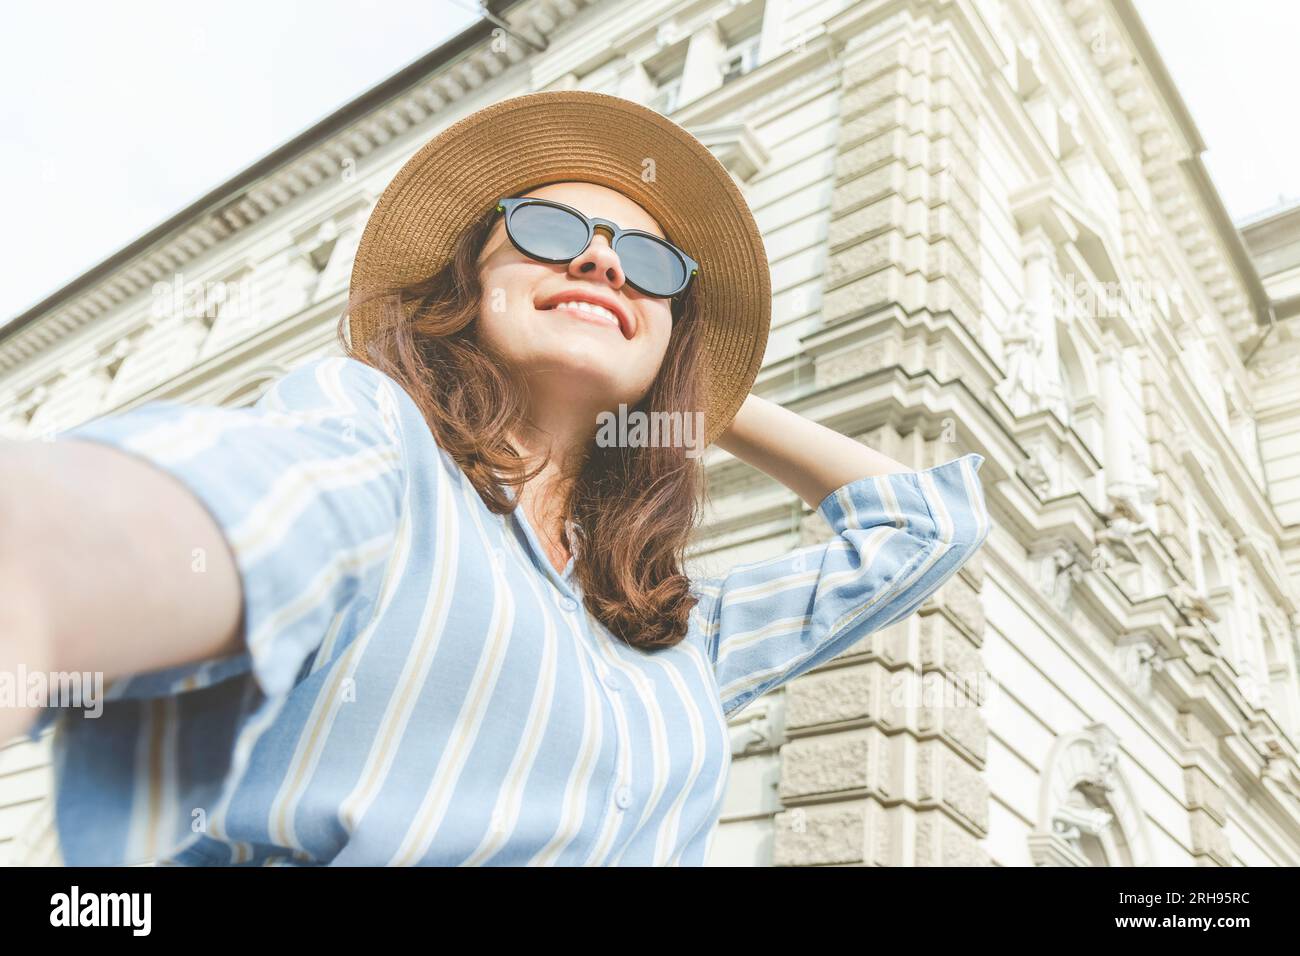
[
  {"x": 507, "y": 292},
  {"x": 660, "y": 317}
]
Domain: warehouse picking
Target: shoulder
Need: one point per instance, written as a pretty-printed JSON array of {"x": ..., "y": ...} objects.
[
  {"x": 368, "y": 405},
  {"x": 331, "y": 380},
  {"x": 347, "y": 389}
]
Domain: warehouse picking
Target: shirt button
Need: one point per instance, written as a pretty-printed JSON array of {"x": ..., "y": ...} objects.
[
  {"x": 569, "y": 604},
  {"x": 612, "y": 681},
  {"x": 623, "y": 798}
]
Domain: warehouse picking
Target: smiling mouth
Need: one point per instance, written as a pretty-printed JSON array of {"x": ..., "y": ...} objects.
[{"x": 589, "y": 311}]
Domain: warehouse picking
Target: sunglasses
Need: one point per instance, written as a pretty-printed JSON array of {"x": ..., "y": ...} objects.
[{"x": 552, "y": 232}]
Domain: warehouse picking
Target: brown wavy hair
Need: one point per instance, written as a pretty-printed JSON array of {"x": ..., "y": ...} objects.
[{"x": 636, "y": 507}]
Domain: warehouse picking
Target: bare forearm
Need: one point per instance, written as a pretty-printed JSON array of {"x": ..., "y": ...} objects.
[
  {"x": 807, "y": 457},
  {"x": 107, "y": 565}
]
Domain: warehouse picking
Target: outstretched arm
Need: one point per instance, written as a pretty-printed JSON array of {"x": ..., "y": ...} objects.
[
  {"x": 97, "y": 568},
  {"x": 171, "y": 547}
]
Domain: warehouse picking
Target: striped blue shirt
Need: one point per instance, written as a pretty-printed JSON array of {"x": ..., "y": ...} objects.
[{"x": 420, "y": 685}]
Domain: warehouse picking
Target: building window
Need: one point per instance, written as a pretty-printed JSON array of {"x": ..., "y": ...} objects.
[
  {"x": 740, "y": 59},
  {"x": 667, "y": 94},
  {"x": 739, "y": 32},
  {"x": 665, "y": 69}
]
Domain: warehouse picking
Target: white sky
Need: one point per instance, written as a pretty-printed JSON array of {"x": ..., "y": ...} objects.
[
  {"x": 1237, "y": 65},
  {"x": 114, "y": 116}
]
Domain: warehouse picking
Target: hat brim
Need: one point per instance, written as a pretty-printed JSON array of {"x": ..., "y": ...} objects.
[{"x": 528, "y": 141}]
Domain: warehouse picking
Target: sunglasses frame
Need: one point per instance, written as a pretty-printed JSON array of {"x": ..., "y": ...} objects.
[{"x": 509, "y": 206}]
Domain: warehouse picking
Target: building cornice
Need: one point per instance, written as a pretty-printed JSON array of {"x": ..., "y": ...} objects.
[
  {"x": 1171, "y": 148},
  {"x": 317, "y": 155}
]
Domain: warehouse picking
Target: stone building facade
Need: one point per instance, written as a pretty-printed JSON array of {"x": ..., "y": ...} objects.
[{"x": 989, "y": 230}]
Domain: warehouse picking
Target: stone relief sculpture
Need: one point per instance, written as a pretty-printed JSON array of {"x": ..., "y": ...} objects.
[
  {"x": 1139, "y": 661},
  {"x": 1064, "y": 567},
  {"x": 1026, "y": 386},
  {"x": 1036, "y": 471},
  {"x": 1118, "y": 539},
  {"x": 1071, "y": 821},
  {"x": 1192, "y": 605}
]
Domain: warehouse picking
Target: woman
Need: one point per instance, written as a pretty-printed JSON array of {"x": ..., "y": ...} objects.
[{"x": 411, "y": 609}]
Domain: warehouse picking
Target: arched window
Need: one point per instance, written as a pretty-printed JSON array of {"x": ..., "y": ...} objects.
[
  {"x": 1089, "y": 821},
  {"x": 1087, "y": 812}
]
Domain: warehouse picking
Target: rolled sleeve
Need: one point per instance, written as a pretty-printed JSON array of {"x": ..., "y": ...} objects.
[
  {"x": 307, "y": 489},
  {"x": 897, "y": 539}
]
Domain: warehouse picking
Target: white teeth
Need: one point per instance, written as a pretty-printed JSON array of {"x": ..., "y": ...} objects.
[{"x": 589, "y": 309}]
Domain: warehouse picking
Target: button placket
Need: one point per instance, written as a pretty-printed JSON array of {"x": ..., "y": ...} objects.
[
  {"x": 622, "y": 791},
  {"x": 614, "y": 684}
]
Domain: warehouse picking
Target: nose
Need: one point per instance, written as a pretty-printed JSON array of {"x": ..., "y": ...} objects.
[{"x": 598, "y": 260}]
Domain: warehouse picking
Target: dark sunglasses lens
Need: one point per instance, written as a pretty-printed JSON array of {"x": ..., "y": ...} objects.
[
  {"x": 547, "y": 232},
  {"x": 651, "y": 265}
]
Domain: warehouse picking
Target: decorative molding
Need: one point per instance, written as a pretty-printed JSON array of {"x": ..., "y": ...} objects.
[
  {"x": 736, "y": 146},
  {"x": 1164, "y": 149}
]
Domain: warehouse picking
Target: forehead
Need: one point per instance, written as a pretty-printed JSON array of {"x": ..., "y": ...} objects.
[{"x": 599, "y": 202}]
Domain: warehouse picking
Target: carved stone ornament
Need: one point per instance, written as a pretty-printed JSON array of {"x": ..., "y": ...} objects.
[
  {"x": 1123, "y": 523},
  {"x": 1034, "y": 471},
  {"x": 1278, "y": 766},
  {"x": 1139, "y": 662},
  {"x": 1072, "y": 822},
  {"x": 1083, "y": 793},
  {"x": 1067, "y": 565},
  {"x": 1193, "y": 606},
  {"x": 1026, "y": 388},
  {"x": 1105, "y": 746}
]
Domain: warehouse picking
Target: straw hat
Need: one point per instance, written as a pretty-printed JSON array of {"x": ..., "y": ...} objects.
[{"x": 519, "y": 144}]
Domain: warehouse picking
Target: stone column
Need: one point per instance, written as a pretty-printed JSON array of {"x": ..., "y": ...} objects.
[{"x": 1038, "y": 255}]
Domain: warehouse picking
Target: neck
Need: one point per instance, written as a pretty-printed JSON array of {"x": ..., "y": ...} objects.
[{"x": 544, "y": 496}]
